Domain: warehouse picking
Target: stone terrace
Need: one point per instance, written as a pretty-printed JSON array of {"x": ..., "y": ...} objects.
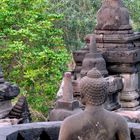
[{"x": 46, "y": 130}]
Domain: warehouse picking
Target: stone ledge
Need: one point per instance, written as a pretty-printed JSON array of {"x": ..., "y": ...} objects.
[
  {"x": 108, "y": 32},
  {"x": 123, "y": 57},
  {"x": 123, "y": 68},
  {"x": 32, "y": 131},
  {"x": 117, "y": 38}
]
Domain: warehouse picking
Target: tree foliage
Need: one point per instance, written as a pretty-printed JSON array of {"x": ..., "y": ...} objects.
[
  {"x": 31, "y": 40},
  {"x": 80, "y": 18},
  {"x": 32, "y": 50},
  {"x": 134, "y": 10}
]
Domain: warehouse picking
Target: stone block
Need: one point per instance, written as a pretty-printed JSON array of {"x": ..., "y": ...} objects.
[
  {"x": 112, "y": 32},
  {"x": 123, "y": 68},
  {"x": 64, "y": 109},
  {"x": 123, "y": 57},
  {"x": 31, "y": 131},
  {"x": 115, "y": 84},
  {"x": 117, "y": 38},
  {"x": 116, "y": 46},
  {"x": 112, "y": 102},
  {"x": 137, "y": 108},
  {"x": 131, "y": 104},
  {"x": 60, "y": 104},
  {"x": 8, "y": 91},
  {"x": 79, "y": 55},
  {"x": 130, "y": 82},
  {"x": 137, "y": 43},
  {"x": 129, "y": 95},
  {"x": 135, "y": 131},
  {"x": 5, "y": 107}
]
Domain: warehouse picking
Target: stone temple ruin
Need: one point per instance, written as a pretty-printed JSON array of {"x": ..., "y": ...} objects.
[
  {"x": 94, "y": 122},
  {"x": 112, "y": 53},
  {"x": 65, "y": 106},
  {"x": 119, "y": 46},
  {"x": 9, "y": 114}
]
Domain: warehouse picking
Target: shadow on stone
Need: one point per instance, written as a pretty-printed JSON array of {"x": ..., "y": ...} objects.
[
  {"x": 44, "y": 136},
  {"x": 132, "y": 136},
  {"x": 20, "y": 137}
]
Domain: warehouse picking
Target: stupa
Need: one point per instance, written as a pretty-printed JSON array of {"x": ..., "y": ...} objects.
[
  {"x": 94, "y": 122},
  {"x": 93, "y": 58},
  {"x": 7, "y": 92},
  {"x": 119, "y": 46},
  {"x": 19, "y": 112},
  {"x": 66, "y": 105}
]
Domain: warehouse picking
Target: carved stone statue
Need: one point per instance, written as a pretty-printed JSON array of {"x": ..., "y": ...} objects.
[
  {"x": 8, "y": 91},
  {"x": 66, "y": 105},
  {"x": 112, "y": 15},
  {"x": 93, "y": 58},
  {"x": 20, "y": 111},
  {"x": 94, "y": 123}
]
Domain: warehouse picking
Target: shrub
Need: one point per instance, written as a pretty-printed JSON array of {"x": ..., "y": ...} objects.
[
  {"x": 32, "y": 50},
  {"x": 80, "y": 18}
]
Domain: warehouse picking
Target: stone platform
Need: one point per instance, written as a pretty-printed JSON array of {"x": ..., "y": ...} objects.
[{"x": 46, "y": 130}]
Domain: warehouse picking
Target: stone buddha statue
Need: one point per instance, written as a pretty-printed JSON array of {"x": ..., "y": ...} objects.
[{"x": 94, "y": 123}]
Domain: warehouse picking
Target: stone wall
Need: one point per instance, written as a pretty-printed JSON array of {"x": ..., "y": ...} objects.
[
  {"x": 31, "y": 131},
  {"x": 134, "y": 131},
  {"x": 46, "y": 130}
]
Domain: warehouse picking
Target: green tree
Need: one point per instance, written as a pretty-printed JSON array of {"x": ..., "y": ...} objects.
[
  {"x": 134, "y": 10},
  {"x": 32, "y": 50},
  {"x": 80, "y": 18}
]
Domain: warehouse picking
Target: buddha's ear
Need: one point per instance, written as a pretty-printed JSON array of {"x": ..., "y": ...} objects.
[{"x": 83, "y": 100}]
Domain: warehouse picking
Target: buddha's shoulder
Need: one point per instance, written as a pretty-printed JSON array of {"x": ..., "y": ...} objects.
[
  {"x": 115, "y": 117},
  {"x": 73, "y": 120},
  {"x": 74, "y": 117},
  {"x": 72, "y": 124}
]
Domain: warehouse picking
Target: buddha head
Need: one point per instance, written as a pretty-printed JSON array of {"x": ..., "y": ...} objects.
[{"x": 93, "y": 88}]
